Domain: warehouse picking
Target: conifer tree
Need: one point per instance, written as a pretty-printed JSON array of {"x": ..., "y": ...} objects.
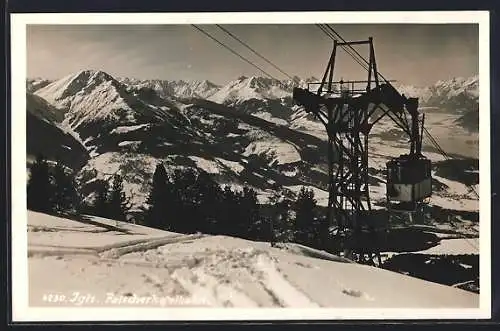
[
  {"x": 158, "y": 199},
  {"x": 65, "y": 195},
  {"x": 251, "y": 226},
  {"x": 228, "y": 212},
  {"x": 187, "y": 200},
  {"x": 281, "y": 218},
  {"x": 117, "y": 200},
  {"x": 40, "y": 189},
  {"x": 209, "y": 193},
  {"x": 306, "y": 226},
  {"x": 101, "y": 202}
]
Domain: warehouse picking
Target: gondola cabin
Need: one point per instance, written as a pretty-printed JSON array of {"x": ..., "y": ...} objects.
[{"x": 409, "y": 182}]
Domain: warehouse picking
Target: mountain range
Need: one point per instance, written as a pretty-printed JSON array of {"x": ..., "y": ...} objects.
[{"x": 248, "y": 132}]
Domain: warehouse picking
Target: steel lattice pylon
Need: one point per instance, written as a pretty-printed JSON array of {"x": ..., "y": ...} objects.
[
  {"x": 348, "y": 110},
  {"x": 345, "y": 109},
  {"x": 349, "y": 194}
]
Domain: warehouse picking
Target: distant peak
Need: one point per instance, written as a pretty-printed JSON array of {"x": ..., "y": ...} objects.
[
  {"x": 91, "y": 73},
  {"x": 312, "y": 79}
]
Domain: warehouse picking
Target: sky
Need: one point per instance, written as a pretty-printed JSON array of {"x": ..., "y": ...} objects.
[{"x": 416, "y": 54}]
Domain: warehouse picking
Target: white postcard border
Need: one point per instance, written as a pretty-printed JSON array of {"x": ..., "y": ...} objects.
[{"x": 20, "y": 308}]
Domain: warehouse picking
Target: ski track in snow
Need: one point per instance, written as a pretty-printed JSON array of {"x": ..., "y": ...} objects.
[
  {"x": 120, "y": 259},
  {"x": 286, "y": 293},
  {"x": 206, "y": 288}
]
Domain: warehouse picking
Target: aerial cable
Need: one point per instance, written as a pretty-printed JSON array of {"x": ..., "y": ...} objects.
[
  {"x": 467, "y": 240},
  {"x": 353, "y": 49},
  {"x": 443, "y": 153},
  {"x": 347, "y": 50},
  {"x": 233, "y": 51},
  {"x": 447, "y": 157},
  {"x": 255, "y": 52}
]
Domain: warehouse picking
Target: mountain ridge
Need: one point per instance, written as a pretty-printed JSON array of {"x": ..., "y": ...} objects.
[{"x": 450, "y": 93}]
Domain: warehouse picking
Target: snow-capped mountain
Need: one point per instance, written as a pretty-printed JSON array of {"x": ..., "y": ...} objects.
[
  {"x": 246, "y": 88},
  {"x": 175, "y": 89},
  {"x": 88, "y": 96},
  {"x": 457, "y": 94},
  {"x": 96, "y": 105},
  {"x": 243, "y": 88}
]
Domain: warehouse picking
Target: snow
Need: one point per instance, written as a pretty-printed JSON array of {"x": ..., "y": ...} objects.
[
  {"x": 87, "y": 140},
  {"x": 135, "y": 168},
  {"x": 454, "y": 188},
  {"x": 179, "y": 89},
  {"x": 461, "y": 204},
  {"x": 106, "y": 163},
  {"x": 246, "y": 88},
  {"x": 443, "y": 91},
  {"x": 320, "y": 195},
  {"x": 86, "y": 94},
  {"x": 287, "y": 294},
  {"x": 454, "y": 247},
  {"x": 301, "y": 123},
  {"x": 270, "y": 118},
  {"x": 216, "y": 165},
  {"x": 210, "y": 166},
  {"x": 285, "y": 153},
  {"x": 264, "y": 272},
  {"x": 50, "y": 233},
  {"x": 378, "y": 194},
  {"x": 129, "y": 128},
  {"x": 216, "y": 271},
  {"x": 234, "y": 166},
  {"x": 93, "y": 96},
  {"x": 129, "y": 143},
  {"x": 290, "y": 173},
  {"x": 55, "y": 91}
]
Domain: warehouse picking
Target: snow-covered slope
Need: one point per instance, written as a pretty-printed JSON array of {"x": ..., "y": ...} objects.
[
  {"x": 123, "y": 264},
  {"x": 43, "y": 110},
  {"x": 34, "y": 84}
]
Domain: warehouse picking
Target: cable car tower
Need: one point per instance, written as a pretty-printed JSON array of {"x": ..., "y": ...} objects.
[{"x": 349, "y": 110}]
